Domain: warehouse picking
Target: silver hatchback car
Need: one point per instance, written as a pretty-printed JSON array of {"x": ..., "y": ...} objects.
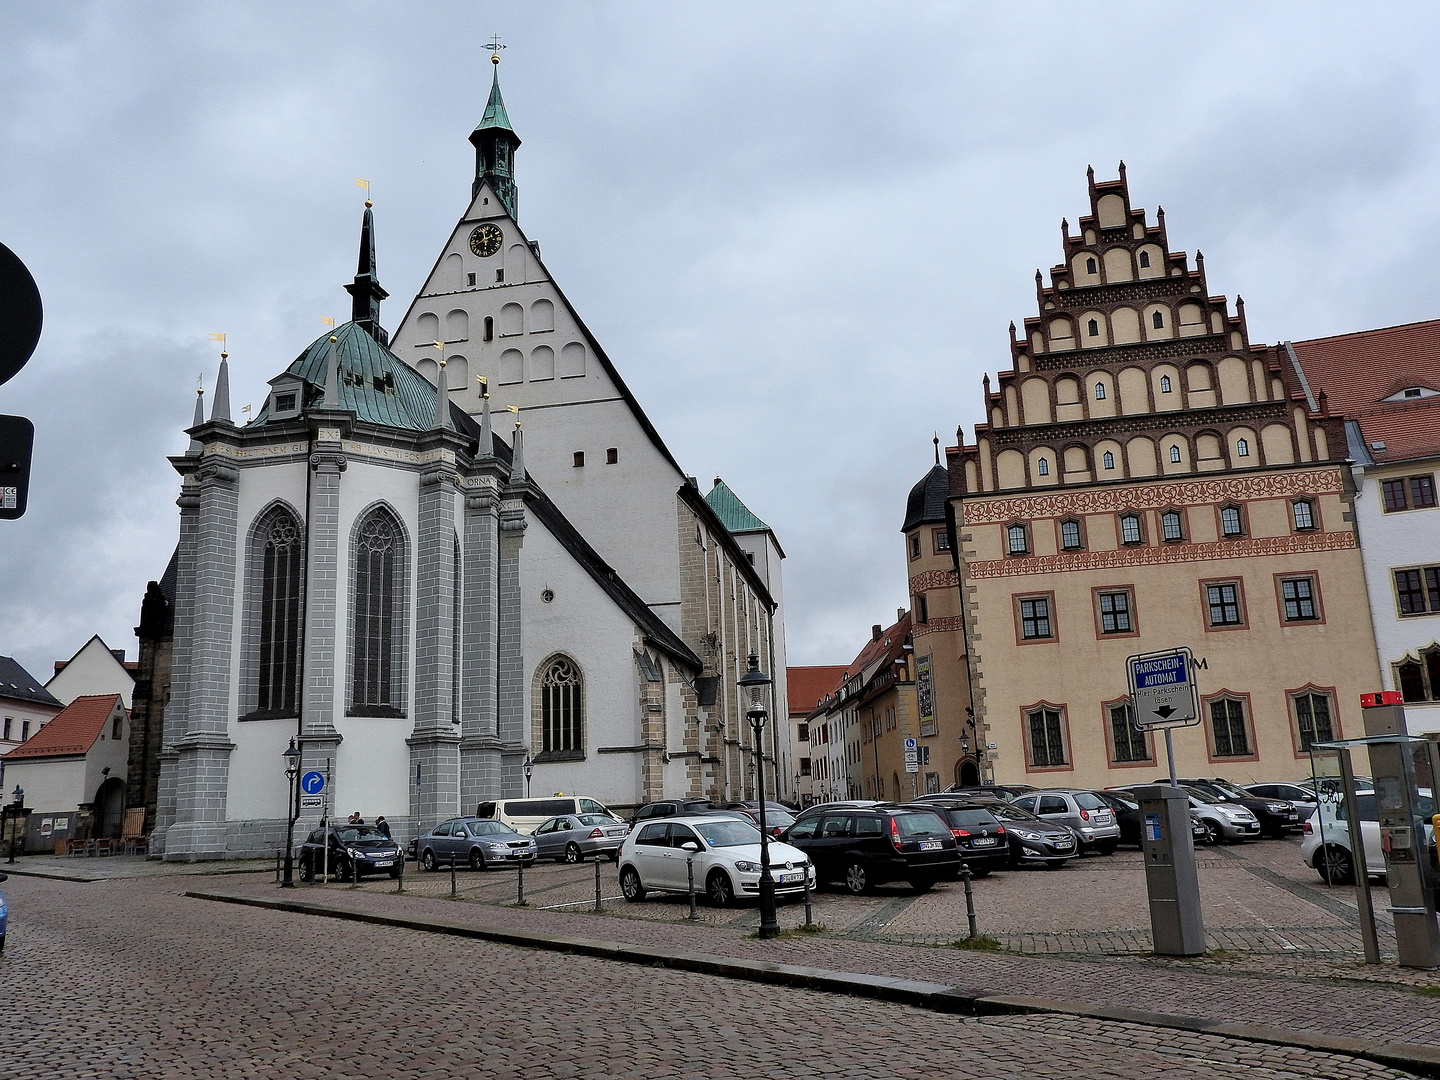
[
  {"x": 1083, "y": 811},
  {"x": 573, "y": 838}
]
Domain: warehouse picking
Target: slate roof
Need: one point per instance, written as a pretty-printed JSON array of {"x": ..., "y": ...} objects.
[
  {"x": 805, "y": 686},
  {"x": 926, "y": 504},
  {"x": 73, "y": 730},
  {"x": 17, "y": 684},
  {"x": 730, "y": 510},
  {"x": 1356, "y": 372},
  {"x": 375, "y": 384}
]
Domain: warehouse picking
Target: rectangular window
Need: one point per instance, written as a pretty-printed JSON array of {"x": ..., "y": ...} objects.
[
  {"x": 1227, "y": 723},
  {"x": 1222, "y": 601},
  {"x": 1418, "y": 590},
  {"x": 1130, "y": 745},
  {"x": 1035, "y": 618},
  {"x": 942, "y": 540},
  {"x": 24, "y": 730},
  {"x": 1170, "y": 527},
  {"x": 922, "y": 609},
  {"x": 284, "y": 403},
  {"x": 470, "y": 280},
  {"x": 1130, "y": 529},
  {"x": 1394, "y": 491},
  {"x": 1070, "y": 536},
  {"x": 914, "y": 547},
  {"x": 1232, "y": 522},
  {"x": 802, "y": 733},
  {"x": 117, "y": 727},
  {"x": 1312, "y": 716},
  {"x": 1304, "y": 514},
  {"x": 1047, "y": 739},
  {"x": 1422, "y": 492},
  {"x": 612, "y": 456},
  {"x": 1115, "y": 613},
  {"x": 804, "y": 766},
  {"x": 9, "y": 721},
  {"x": 1297, "y": 595}
]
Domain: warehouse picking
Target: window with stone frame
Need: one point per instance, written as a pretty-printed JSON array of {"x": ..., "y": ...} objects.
[
  {"x": 941, "y": 539},
  {"x": 1036, "y": 617},
  {"x": 1017, "y": 539},
  {"x": 1127, "y": 744},
  {"x": 377, "y": 590},
  {"x": 1109, "y": 460},
  {"x": 1131, "y": 530},
  {"x": 915, "y": 546},
  {"x": 1115, "y": 611},
  {"x": 1408, "y": 493},
  {"x": 1314, "y": 711},
  {"x": 1045, "y": 732},
  {"x": 1418, "y": 677},
  {"x": 1302, "y": 514},
  {"x": 1224, "y": 604},
  {"x": 1172, "y": 527},
  {"x": 1229, "y": 728},
  {"x": 1072, "y": 537},
  {"x": 1232, "y": 521},
  {"x": 1299, "y": 599},
  {"x": 561, "y": 708},
  {"x": 1417, "y": 590},
  {"x": 274, "y": 612}
]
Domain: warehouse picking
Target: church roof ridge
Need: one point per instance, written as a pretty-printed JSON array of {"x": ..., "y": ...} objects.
[{"x": 728, "y": 507}]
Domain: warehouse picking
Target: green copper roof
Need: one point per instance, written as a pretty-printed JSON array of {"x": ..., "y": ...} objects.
[
  {"x": 375, "y": 384},
  {"x": 495, "y": 115},
  {"x": 735, "y": 515}
]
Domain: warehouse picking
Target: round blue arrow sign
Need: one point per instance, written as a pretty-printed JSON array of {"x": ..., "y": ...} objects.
[{"x": 312, "y": 783}]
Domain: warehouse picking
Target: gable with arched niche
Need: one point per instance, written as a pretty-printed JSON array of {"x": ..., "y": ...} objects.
[
  {"x": 1110, "y": 211},
  {"x": 1277, "y": 444},
  {"x": 1094, "y": 331},
  {"x": 1150, "y": 261},
  {"x": 1035, "y": 399},
  {"x": 1234, "y": 381},
  {"x": 1085, "y": 267},
  {"x": 1174, "y": 454},
  {"x": 1076, "y": 461},
  {"x": 1243, "y": 447},
  {"x": 1209, "y": 451},
  {"x": 1200, "y": 384},
  {"x": 1101, "y": 396},
  {"x": 1191, "y": 319},
  {"x": 512, "y": 320},
  {"x": 1134, "y": 391},
  {"x": 1068, "y": 405},
  {"x": 1044, "y": 470},
  {"x": 542, "y": 316},
  {"x": 1165, "y": 388},
  {"x": 1158, "y": 322},
  {"x": 1062, "y": 335},
  {"x": 457, "y": 373},
  {"x": 1140, "y": 456},
  {"x": 1125, "y": 325},
  {"x": 1118, "y": 266},
  {"x": 457, "y": 325},
  {"x": 1009, "y": 469}
]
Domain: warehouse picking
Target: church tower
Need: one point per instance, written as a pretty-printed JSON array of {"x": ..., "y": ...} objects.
[{"x": 495, "y": 144}]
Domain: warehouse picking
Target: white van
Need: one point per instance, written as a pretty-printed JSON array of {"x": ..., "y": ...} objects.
[{"x": 526, "y": 815}]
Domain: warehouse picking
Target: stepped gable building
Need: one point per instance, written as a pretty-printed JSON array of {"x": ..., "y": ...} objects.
[
  {"x": 1147, "y": 477},
  {"x": 1386, "y": 383},
  {"x": 502, "y": 317},
  {"x": 945, "y": 721}
]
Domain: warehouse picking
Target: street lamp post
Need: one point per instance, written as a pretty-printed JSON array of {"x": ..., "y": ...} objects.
[
  {"x": 292, "y": 773},
  {"x": 15, "y": 809},
  {"x": 529, "y": 771},
  {"x": 757, "y": 682}
]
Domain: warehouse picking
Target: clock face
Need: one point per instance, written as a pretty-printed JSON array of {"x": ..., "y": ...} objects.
[{"x": 485, "y": 240}]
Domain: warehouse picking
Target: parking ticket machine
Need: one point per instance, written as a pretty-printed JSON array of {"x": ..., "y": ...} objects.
[{"x": 1170, "y": 880}]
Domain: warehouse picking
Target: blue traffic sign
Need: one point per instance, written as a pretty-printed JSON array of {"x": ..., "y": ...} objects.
[
  {"x": 1162, "y": 689},
  {"x": 1161, "y": 671},
  {"x": 312, "y": 783}
]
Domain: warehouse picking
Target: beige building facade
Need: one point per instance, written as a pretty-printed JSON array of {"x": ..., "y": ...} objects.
[{"x": 1146, "y": 479}]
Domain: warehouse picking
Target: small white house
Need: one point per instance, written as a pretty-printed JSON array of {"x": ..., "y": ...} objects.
[
  {"x": 95, "y": 669},
  {"x": 77, "y": 762}
]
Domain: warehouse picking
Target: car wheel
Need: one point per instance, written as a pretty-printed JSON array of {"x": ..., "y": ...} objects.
[
  {"x": 1212, "y": 834},
  {"x": 306, "y": 873},
  {"x": 477, "y": 861},
  {"x": 427, "y": 860},
  {"x": 573, "y": 854},
  {"x": 1335, "y": 865},
  {"x": 718, "y": 889},
  {"x": 630, "y": 885},
  {"x": 857, "y": 878},
  {"x": 1055, "y": 864}
]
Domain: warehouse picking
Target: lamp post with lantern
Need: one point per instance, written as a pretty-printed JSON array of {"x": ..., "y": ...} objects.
[
  {"x": 756, "y": 683},
  {"x": 529, "y": 771},
  {"x": 292, "y": 773}
]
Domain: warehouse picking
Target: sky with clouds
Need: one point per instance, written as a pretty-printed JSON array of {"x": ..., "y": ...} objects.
[{"x": 800, "y": 230}]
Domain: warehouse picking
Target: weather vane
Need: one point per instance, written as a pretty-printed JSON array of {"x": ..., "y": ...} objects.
[{"x": 494, "y": 46}]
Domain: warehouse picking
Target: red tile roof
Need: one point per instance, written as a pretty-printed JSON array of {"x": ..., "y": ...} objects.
[
  {"x": 1356, "y": 372},
  {"x": 73, "y": 730},
  {"x": 804, "y": 686}
]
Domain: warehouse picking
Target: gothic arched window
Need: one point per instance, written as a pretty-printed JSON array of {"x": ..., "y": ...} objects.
[
  {"x": 1109, "y": 460},
  {"x": 1099, "y": 391},
  {"x": 378, "y": 607},
  {"x": 561, "y": 707},
  {"x": 276, "y": 571}
]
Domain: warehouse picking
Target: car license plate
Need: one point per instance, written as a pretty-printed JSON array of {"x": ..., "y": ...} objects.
[
  {"x": 614, "y": 832},
  {"x": 1061, "y": 844},
  {"x": 386, "y": 862},
  {"x": 790, "y": 879},
  {"x": 983, "y": 841},
  {"x": 931, "y": 845}
]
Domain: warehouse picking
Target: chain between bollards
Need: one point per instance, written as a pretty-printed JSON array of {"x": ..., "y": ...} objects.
[
  {"x": 453, "y": 891},
  {"x": 520, "y": 888},
  {"x": 969, "y": 898},
  {"x": 598, "y": 905},
  {"x": 690, "y": 873}
]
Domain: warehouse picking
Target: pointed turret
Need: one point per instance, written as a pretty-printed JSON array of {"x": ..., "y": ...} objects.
[
  {"x": 195, "y": 445},
  {"x": 487, "y": 438},
  {"x": 365, "y": 289},
  {"x": 442, "y": 399},
  {"x": 517, "y": 457},
  {"x": 495, "y": 144},
  {"x": 220, "y": 408}
]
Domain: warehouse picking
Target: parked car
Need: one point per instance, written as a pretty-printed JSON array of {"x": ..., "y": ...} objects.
[
  {"x": 1033, "y": 840},
  {"x": 1087, "y": 815},
  {"x": 979, "y": 836},
  {"x": 725, "y": 852},
  {"x": 479, "y": 842},
  {"x": 1007, "y": 792},
  {"x": 4, "y": 914},
  {"x": 1127, "y": 814},
  {"x": 355, "y": 850},
  {"x": 1325, "y": 841},
  {"x": 840, "y": 804},
  {"x": 1219, "y": 818},
  {"x": 671, "y": 808},
  {"x": 523, "y": 815},
  {"x": 1276, "y": 816},
  {"x": 1301, "y": 794},
  {"x": 868, "y": 846},
  {"x": 777, "y": 818},
  {"x": 573, "y": 838}
]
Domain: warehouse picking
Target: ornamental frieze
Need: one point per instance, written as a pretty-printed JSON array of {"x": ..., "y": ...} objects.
[
  {"x": 1109, "y": 500},
  {"x": 937, "y": 626},
  {"x": 932, "y": 579},
  {"x": 1199, "y": 347},
  {"x": 1255, "y": 547}
]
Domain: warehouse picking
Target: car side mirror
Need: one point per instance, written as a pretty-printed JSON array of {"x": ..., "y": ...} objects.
[{"x": 690, "y": 846}]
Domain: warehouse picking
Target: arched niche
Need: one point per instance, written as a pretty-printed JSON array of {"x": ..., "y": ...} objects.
[
  {"x": 542, "y": 316},
  {"x": 515, "y": 264},
  {"x": 1118, "y": 266},
  {"x": 1192, "y": 320},
  {"x": 542, "y": 363},
  {"x": 1243, "y": 447},
  {"x": 457, "y": 326},
  {"x": 1116, "y": 468},
  {"x": 1234, "y": 381},
  {"x": 512, "y": 320},
  {"x": 1081, "y": 265},
  {"x": 429, "y": 371},
  {"x": 1158, "y": 313},
  {"x": 1044, "y": 467},
  {"x": 1110, "y": 209},
  {"x": 1165, "y": 386},
  {"x": 1209, "y": 452},
  {"x": 427, "y": 327},
  {"x": 512, "y": 366},
  {"x": 572, "y": 361},
  {"x": 1134, "y": 391},
  {"x": 1094, "y": 333},
  {"x": 1076, "y": 459},
  {"x": 1140, "y": 456},
  {"x": 1100, "y": 393},
  {"x": 1275, "y": 441},
  {"x": 1009, "y": 469},
  {"x": 1172, "y": 446},
  {"x": 1154, "y": 256},
  {"x": 457, "y": 373},
  {"x": 1035, "y": 398},
  {"x": 1062, "y": 335},
  {"x": 1200, "y": 384},
  {"x": 1125, "y": 325},
  {"x": 1068, "y": 405},
  {"x": 454, "y": 275}
]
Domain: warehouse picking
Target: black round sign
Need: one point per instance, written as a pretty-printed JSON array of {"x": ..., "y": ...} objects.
[{"x": 20, "y": 314}]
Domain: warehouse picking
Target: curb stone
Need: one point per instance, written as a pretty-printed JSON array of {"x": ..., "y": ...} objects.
[{"x": 938, "y": 997}]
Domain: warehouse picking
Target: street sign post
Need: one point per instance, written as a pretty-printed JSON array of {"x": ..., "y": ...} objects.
[
  {"x": 1163, "y": 693},
  {"x": 312, "y": 783},
  {"x": 912, "y": 756}
]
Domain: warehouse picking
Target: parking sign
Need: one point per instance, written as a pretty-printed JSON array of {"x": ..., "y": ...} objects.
[{"x": 1162, "y": 686}]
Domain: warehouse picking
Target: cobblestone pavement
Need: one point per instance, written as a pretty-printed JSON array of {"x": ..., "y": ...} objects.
[{"x": 128, "y": 979}]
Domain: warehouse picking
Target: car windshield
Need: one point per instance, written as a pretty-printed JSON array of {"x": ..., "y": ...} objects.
[
  {"x": 1230, "y": 790},
  {"x": 969, "y": 819},
  {"x": 596, "y": 819},
  {"x": 352, "y": 833},
  {"x": 1203, "y": 796},
  {"x": 1012, "y": 813},
  {"x": 920, "y": 823},
  {"x": 1087, "y": 801},
  {"x": 728, "y": 833},
  {"x": 485, "y": 828}
]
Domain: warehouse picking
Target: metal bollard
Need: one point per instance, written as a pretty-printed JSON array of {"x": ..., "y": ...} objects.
[
  {"x": 453, "y": 892},
  {"x": 354, "y": 873},
  {"x": 690, "y": 873},
  {"x": 809, "y": 911},
  {"x": 277, "y": 864},
  {"x": 520, "y": 887},
  {"x": 400, "y": 881},
  {"x": 969, "y": 898},
  {"x": 598, "y": 905}
]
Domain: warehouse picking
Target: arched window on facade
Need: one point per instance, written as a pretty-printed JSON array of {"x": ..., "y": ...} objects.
[
  {"x": 1242, "y": 448},
  {"x": 1165, "y": 386},
  {"x": 378, "y": 603},
  {"x": 1109, "y": 460},
  {"x": 1070, "y": 539},
  {"x": 1174, "y": 455},
  {"x": 1145, "y": 260},
  {"x": 1157, "y": 320},
  {"x": 1303, "y": 511},
  {"x": 1090, "y": 267},
  {"x": 1231, "y": 521},
  {"x": 1017, "y": 540},
  {"x": 1170, "y": 527},
  {"x": 1099, "y": 391},
  {"x": 1043, "y": 466},
  {"x": 1130, "y": 531},
  {"x": 1093, "y": 328},
  {"x": 277, "y": 569},
  {"x": 561, "y": 708}
]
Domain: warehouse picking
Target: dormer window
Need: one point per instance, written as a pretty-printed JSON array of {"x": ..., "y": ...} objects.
[
  {"x": 1165, "y": 386},
  {"x": 286, "y": 398},
  {"x": 1144, "y": 260},
  {"x": 1412, "y": 391},
  {"x": 285, "y": 402}
]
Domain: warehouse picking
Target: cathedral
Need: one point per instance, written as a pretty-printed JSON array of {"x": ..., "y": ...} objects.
[{"x": 450, "y": 558}]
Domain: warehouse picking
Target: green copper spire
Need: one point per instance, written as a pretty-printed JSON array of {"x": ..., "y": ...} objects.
[{"x": 495, "y": 143}]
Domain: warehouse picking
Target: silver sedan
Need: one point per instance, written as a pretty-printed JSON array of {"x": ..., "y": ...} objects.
[{"x": 573, "y": 838}]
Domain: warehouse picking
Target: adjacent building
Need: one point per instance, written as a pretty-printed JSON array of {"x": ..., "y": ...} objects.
[
  {"x": 94, "y": 669},
  {"x": 76, "y": 764},
  {"x": 807, "y": 688},
  {"x": 25, "y": 705},
  {"x": 1147, "y": 477}
]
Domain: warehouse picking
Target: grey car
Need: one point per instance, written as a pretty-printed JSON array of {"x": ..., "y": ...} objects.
[
  {"x": 479, "y": 843},
  {"x": 573, "y": 838},
  {"x": 1084, "y": 812}
]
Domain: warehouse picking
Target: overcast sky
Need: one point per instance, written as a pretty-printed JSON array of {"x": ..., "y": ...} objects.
[{"x": 800, "y": 230}]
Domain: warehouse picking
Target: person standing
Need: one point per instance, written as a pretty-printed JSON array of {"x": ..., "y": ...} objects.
[{"x": 383, "y": 826}]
